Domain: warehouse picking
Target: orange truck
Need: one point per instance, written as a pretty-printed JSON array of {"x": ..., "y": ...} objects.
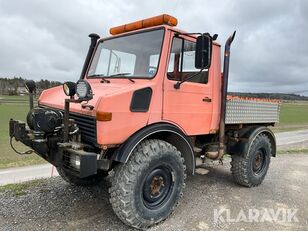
[{"x": 150, "y": 104}]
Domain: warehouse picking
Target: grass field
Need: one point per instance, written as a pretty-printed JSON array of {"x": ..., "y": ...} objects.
[
  {"x": 293, "y": 116},
  {"x": 15, "y": 107},
  {"x": 20, "y": 189}
]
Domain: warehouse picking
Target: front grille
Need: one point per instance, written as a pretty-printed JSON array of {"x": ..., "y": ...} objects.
[{"x": 87, "y": 127}]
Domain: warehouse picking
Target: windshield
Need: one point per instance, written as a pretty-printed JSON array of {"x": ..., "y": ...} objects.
[{"x": 131, "y": 56}]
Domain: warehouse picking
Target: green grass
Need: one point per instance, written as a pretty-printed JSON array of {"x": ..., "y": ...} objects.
[
  {"x": 293, "y": 116},
  {"x": 294, "y": 113},
  {"x": 8, "y": 158},
  {"x": 293, "y": 151},
  {"x": 14, "y": 97},
  {"x": 21, "y": 188}
]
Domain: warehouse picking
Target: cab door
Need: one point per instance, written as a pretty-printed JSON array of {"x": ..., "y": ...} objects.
[{"x": 190, "y": 106}]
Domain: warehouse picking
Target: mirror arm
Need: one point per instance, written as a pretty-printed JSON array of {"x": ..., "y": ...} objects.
[{"x": 178, "y": 84}]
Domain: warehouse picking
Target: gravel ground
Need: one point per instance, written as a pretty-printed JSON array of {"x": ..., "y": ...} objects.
[{"x": 55, "y": 205}]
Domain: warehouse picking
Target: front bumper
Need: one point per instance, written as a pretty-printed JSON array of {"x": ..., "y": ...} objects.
[{"x": 69, "y": 156}]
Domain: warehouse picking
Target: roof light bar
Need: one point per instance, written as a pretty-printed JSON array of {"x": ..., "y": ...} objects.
[{"x": 163, "y": 19}]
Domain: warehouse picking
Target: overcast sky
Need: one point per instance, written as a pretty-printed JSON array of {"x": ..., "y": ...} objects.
[{"x": 48, "y": 39}]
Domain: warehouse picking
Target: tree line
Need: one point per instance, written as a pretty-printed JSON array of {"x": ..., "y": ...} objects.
[
  {"x": 279, "y": 96},
  {"x": 16, "y": 85}
]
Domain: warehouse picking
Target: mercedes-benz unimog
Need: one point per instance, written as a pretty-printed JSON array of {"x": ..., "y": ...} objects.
[{"x": 151, "y": 101}]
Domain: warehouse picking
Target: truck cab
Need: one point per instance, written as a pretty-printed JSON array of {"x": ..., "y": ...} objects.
[
  {"x": 150, "y": 101},
  {"x": 132, "y": 76}
]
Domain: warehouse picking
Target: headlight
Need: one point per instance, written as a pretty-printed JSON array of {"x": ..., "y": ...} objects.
[
  {"x": 69, "y": 88},
  {"x": 75, "y": 161},
  {"x": 83, "y": 90}
]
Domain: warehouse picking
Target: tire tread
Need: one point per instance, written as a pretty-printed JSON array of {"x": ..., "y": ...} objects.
[
  {"x": 239, "y": 164},
  {"x": 122, "y": 183}
]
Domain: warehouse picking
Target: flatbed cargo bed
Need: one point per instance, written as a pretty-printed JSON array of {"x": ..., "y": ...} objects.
[{"x": 252, "y": 110}]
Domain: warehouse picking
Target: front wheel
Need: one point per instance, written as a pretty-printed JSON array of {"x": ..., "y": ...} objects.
[
  {"x": 147, "y": 188},
  {"x": 249, "y": 169}
]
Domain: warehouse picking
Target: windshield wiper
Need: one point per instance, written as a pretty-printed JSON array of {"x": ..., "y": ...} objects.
[
  {"x": 130, "y": 79},
  {"x": 97, "y": 75},
  {"x": 104, "y": 80},
  {"x": 123, "y": 74},
  {"x": 120, "y": 74}
]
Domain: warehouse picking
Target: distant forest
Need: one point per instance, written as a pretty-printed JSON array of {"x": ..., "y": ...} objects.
[
  {"x": 15, "y": 86},
  {"x": 279, "y": 96}
]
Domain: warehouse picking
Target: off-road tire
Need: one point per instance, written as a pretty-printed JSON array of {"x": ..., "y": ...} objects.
[
  {"x": 129, "y": 192},
  {"x": 87, "y": 181},
  {"x": 242, "y": 164}
]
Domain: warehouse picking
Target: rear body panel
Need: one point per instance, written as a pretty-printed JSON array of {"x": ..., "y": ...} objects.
[{"x": 252, "y": 111}]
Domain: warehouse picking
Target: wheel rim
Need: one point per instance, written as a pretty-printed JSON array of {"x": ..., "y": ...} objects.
[
  {"x": 157, "y": 187},
  {"x": 259, "y": 161}
]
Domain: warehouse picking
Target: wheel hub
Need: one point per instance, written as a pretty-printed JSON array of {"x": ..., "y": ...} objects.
[
  {"x": 157, "y": 187},
  {"x": 259, "y": 162}
]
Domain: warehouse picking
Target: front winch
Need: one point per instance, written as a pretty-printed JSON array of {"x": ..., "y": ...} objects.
[
  {"x": 44, "y": 119},
  {"x": 54, "y": 135}
]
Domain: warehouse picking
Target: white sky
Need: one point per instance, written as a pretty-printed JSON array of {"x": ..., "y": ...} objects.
[{"x": 48, "y": 39}]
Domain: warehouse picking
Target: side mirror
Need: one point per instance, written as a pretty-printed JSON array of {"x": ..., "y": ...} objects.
[{"x": 203, "y": 53}]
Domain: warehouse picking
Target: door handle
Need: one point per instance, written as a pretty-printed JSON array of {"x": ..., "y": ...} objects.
[{"x": 207, "y": 99}]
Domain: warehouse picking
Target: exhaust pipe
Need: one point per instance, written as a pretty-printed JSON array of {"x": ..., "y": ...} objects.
[
  {"x": 94, "y": 38},
  {"x": 224, "y": 88}
]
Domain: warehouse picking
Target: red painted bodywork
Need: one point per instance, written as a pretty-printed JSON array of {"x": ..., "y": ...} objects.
[{"x": 182, "y": 107}]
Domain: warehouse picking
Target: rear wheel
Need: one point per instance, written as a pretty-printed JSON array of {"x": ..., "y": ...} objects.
[
  {"x": 147, "y": 188},
  {"x": 87, "y": 181},
  {"x": 249, "y": 169}
]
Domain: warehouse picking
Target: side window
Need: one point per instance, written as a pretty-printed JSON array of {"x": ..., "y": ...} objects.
[{"x": 182, "y": 62}]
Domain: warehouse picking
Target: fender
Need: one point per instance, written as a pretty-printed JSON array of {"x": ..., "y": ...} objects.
[
  {"x": 163, "y": 131},
  {"x": 243, "y": 146}
]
